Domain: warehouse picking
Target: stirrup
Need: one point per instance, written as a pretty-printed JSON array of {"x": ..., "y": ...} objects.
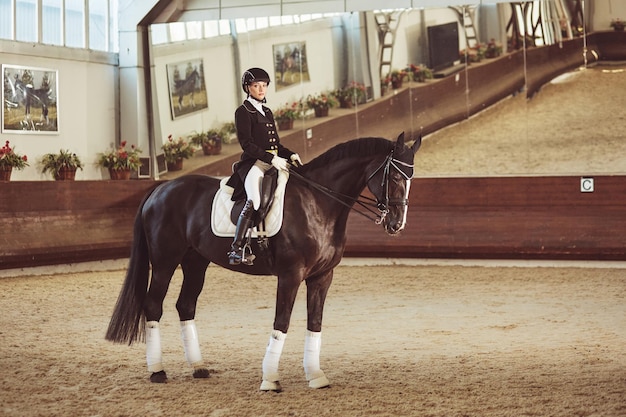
[{"x": 236, "y": 257}]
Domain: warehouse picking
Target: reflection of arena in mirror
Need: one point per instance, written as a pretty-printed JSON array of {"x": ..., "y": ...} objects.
[{"x": 566, "y": 128}]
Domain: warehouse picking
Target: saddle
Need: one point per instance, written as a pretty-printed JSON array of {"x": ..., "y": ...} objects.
[{"x": 268, "y": 219}]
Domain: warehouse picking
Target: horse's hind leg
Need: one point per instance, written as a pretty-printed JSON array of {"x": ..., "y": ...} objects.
[
  {"x": 153, "y": 310},
  {"x": 194, "y": 267}
]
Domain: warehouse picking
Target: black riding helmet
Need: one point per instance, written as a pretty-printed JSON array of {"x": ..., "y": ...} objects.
[{"x": 253, "y": 75}]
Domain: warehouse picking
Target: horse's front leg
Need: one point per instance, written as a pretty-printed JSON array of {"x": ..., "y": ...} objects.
[
  {"x": 285, "y": 298},
  {"x": 317, "y": 289}
]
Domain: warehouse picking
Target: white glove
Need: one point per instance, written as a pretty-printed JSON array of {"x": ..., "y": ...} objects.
[
  {"x": 280, "y": 163},
  {"x": 296, "y": 158}
]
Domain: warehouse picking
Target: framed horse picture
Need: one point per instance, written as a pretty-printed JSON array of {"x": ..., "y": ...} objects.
[
  {"x": 30, "y": 100},
  {"x": 290, "y": 64},
  {"x": 187, "y": 87}
]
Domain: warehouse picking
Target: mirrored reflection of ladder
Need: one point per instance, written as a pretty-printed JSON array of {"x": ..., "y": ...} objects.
[
  {"x": 466, "y": 14},
  {"x": 387, "y": 24}
]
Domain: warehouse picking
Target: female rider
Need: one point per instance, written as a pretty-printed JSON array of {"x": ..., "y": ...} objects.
[{"x": 258, "y": 137}]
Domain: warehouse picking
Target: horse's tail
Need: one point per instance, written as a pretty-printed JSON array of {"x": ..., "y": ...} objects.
[{"x": 128, "y": 323}]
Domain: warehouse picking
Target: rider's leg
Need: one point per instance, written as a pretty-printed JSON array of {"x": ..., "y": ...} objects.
[{"x": 246, "y": 219}]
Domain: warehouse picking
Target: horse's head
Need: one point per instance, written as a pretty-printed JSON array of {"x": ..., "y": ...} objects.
[{"x": 390, "y": 183}]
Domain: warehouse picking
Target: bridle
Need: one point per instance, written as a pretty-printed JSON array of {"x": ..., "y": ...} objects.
[{"x": 382, "y": 203}]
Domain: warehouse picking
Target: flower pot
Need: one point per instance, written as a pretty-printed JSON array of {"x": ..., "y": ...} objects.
[
  {"x": 119, "y": 174},
  {"x": 285, "y": 124},
  {"x": 208, "y": 149},
  {"x": 345, "y": 103},
  {"x": 321, "y": 111},
  {"x": 65, "y": 174},
  {"x": 395, "y": 84},
  {"x": 5, "y": 173},
  {"x": 618, "y": 28},
  {"x": 175, "y": 166}
]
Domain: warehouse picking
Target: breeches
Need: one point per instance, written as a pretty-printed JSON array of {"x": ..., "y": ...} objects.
[{"x": 253, "y": 182}]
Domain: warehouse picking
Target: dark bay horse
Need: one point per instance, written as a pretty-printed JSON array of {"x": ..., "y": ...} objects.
[{"x": 172, "y": 228}]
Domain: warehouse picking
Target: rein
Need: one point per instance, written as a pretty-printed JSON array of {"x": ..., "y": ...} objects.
[{"x": 362, "y": 200}]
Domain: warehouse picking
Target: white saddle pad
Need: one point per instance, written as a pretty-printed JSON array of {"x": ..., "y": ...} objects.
[{"x": 221, "y": 224}]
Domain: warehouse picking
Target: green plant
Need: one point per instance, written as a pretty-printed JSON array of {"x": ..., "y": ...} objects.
[
  {"x": 288, "y": 111},
  {"x": 321, "y": 101},
  {"x": 121, "y": 158},
  {"x": 397, "y": 75},
  {"x": 8, "y": 158},
  {"x": 228, "y": 131},
  {"x": 493, "y": 49},
  {"x": 420, "y": 73},
  {"x": 177, "y": 149},
  {"x": 54, "y": 162},
  {"x": 617, "y": 24},
  {"x": 354, "y": 92}
]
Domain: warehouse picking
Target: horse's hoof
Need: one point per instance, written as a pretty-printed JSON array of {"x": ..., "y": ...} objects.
[
  {"x": 271, "y": 386},
  {"x": 201, "y": 373},
  {"x": 319, "y": 382},
  {"x": 158, "y": 377}
]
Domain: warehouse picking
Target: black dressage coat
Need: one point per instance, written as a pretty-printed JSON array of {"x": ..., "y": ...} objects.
[{"x": 257, "y": 135}]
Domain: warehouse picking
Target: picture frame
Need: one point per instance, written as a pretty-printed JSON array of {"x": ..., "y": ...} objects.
[
  {"x": 290, "y": 64},
  {"x": 31, "y": 100},
  {"x": 187, "y": 87}
]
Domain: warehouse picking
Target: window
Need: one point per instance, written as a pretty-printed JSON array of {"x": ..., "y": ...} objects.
[
  {"x": 74, "y": 23},
  {"x": 6, "y": 19},
  {"x": 25, "y": 20},
  {"x": 98, "y": 25},
  {"x": 52, "y": 22}
]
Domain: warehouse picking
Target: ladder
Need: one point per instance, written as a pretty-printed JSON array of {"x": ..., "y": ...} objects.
[
  {"x": 465, "y": 15},
  {"x": 387, "y": 25}
]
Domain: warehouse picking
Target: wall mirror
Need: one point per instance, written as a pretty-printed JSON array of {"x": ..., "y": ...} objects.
[{"x": 558, "y": 131}]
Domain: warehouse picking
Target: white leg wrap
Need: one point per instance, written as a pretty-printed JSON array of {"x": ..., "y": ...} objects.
[
  {"x": 311, "y": 361},
  {"x": 270, "y": 361},
  {"x": 191, "y": 343},
  {"x": 153, "y": 346}
]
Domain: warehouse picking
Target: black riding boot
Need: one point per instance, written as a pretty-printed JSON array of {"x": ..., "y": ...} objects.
[{"x": 238, "y": 253}]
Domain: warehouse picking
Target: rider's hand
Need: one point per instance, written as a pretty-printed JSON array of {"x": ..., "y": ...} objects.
[
  {"x": 295, "y": 160},
  {"x": 280, "y": 163}
]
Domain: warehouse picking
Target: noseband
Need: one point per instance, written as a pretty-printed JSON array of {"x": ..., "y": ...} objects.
[{"x": 383, "y": 202}]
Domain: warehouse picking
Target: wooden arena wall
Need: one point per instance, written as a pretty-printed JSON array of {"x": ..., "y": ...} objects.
[{"x": 56, "y": 222}]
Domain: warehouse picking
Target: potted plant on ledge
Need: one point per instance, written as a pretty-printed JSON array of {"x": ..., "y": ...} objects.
[
  {"x": 617, "y": 25},
  {"x": 285, "y": 115},
  {"x": 397, "y": 78},
  {"x": 121, "y": 161},
  {"x": 421, "y": 73},
  {"x": 9, "y": 160},
  {"x": 62, "y": 165},
  {"x": 175, "y": 152},
  {"x": 350, "y": 95},
  {"x": 210, "y": 141},
  {"x": 321, "y": 103}
]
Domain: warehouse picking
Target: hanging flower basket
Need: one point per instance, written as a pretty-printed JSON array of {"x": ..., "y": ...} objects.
[{"x": 119, "y": 174}]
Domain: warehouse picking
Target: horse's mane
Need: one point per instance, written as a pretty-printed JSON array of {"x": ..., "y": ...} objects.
[{"x": 353, "y": 148}]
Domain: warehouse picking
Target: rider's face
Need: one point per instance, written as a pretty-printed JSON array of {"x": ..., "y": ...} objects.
[{"x": 257, "y": 90}]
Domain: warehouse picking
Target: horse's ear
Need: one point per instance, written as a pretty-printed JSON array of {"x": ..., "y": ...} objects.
[
  {"x": 416, "y": 145},
  {"x": 400, "y": 140}
]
